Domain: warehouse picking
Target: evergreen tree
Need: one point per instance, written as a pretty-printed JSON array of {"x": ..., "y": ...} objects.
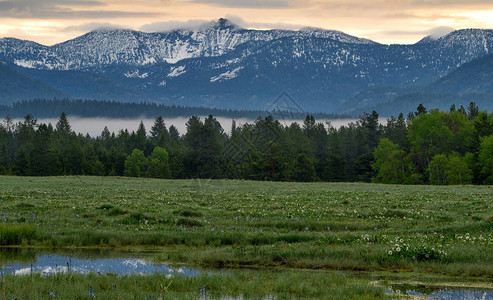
[
  {"x": 396, "y": 131},
  {"x": 43, "y": 157},
  {"x": 173, "y": 132},
  {"x": 203, "y": 158},
  {"x": 63, "y": 127},
  {"x": 91, "y": 165},
  {"x": 140, "y": 137},
  {"x": 4, "y": 159},
  {"x": 21, "y": 164},
  {"x": 72, "y": 156},
  {"x": 159, "y": 132},
  {"x": 421, "y": 110},
  {"x": 472, "y": 110},
  {"x": 334, "y": 169},
  {"x": 303, "y": 169},
  {"x": 106, "y": 138},
  {"x": 462, "y": 110}
]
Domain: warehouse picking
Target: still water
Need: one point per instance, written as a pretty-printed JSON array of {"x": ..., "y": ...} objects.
[
  {"x": 440, "y": 293},
  {"x": 46, "y": 262}
]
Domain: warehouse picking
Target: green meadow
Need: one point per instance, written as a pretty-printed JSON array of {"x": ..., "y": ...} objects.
[{"x": 256, "y": 239}]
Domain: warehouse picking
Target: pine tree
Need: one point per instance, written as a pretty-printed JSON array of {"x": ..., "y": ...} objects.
[
  {"x": 303, "y": 169},
  {"x": 63, "y": 127},
  {"x": 159, "y": 130},
  {"x": 421, "y": 110},
  {"x": 173, "y": 132},
  {"x": 472, "y": 110},
  {"x": 21, "y": 164},
  {"x": 141, "y": 137}
]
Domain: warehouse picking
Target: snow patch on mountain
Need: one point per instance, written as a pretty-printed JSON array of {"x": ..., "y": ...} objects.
[
  {"x": 136, "y": 74},
  {"x": 29, "y": 64},
  {"x": 227, "y": 75},
  {"x": 176, "y": 71}
]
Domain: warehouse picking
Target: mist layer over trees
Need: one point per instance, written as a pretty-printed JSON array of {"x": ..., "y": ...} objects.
[{"x": 435, "y": 147}]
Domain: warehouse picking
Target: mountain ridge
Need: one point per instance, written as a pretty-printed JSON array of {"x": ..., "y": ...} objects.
[
  {"x": 223, "y": 65},
  {"x": 109, "y": 46},
  {"x": 472, "y": 81}
]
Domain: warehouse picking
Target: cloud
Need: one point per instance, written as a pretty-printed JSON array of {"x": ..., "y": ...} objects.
[
  {"x": 62, "y": 9},
  {"x": 172, "y": 25},
  {"x": 437, "y": 3},
  {"x": 247, "y": 3},
  {"x": 434, "y": 33},
  {"x": 18, "y": 33},
  {"x": 192, "y": 24},
  {"x": 438, "y": 32},
  {"x": 90, "y": 26},
  {"x": 261, "y": 25}
]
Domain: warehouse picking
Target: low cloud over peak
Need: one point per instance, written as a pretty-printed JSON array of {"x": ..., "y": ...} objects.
[
  {"x": 438, "y": 32},
  {"x": 248, "y": 3}
]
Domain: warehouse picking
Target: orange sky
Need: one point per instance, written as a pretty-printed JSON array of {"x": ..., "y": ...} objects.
[{"x": 386, "y": 21}]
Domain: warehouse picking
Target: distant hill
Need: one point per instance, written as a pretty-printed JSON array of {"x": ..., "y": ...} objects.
[
  {"x": 473, "y": 77},
  {"x": 85, "y": 85},
  {"x": 14, "y": 86},
  {"x": 443, "y": 101},
  {"x": 472, "y": 81}
]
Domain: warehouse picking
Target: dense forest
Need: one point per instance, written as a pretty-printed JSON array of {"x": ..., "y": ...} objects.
[
  {"x": 435, "y": 147},
  {"x": 51, "y": 108}
]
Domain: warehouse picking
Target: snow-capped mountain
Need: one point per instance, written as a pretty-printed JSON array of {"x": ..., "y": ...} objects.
[
  {"x": 104, "y": 47},
  {"x": 223, "y": 65}
]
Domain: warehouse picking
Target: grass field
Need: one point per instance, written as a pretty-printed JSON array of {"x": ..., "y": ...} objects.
[{"x": 437, "y": 231}]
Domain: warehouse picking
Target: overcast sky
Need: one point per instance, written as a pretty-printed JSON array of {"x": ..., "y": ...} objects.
[{"x": 385, "y": 21}]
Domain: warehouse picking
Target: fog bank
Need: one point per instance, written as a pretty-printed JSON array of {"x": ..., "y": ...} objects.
[{"x": 94, "y": 126}]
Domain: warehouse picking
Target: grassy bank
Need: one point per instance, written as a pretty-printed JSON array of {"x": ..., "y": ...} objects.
[{"x": 246, "y": 284}]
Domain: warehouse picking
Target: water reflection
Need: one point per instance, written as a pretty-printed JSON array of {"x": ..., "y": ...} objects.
[
  {"x": 441, "y": 293},
  {"x": 27, "y": 261}
]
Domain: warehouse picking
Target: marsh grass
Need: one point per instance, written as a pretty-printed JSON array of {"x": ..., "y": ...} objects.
[
  {"x": 115, "y": 211},
  {"x": 223, "y": 223},
  {"x": 240, "y": 284},
  {"x": 11, "y": 234}
]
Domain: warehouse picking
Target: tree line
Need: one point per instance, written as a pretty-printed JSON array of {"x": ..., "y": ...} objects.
[
  {"x": 50, "y": 108},
  {"x": 435, "y": 147}
]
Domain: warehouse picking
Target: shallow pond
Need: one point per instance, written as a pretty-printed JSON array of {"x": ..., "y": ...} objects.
[
  {"x": 52, "y": 261},
  {"x": 47, "y": 262},
  {"x": 441, "y": 293}
]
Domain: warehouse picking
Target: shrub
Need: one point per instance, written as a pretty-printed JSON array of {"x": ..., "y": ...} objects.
[
  {"x": 188, "y": 222},
  {"x": 16, "y": 234}
]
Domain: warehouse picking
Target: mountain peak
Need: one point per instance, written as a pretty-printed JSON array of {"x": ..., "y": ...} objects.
[
  {"x": 468, "y": 33},
  {"x": 222, "y": 23}
]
